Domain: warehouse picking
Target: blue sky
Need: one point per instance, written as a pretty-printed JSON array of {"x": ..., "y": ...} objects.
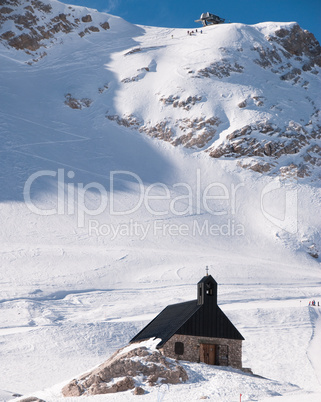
[{"x": 181, "y": 14}]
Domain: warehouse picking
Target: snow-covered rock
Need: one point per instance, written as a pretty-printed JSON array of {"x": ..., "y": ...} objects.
[
  {"x": 129, "y": 368},
  {"x": 34, "y": 25}
]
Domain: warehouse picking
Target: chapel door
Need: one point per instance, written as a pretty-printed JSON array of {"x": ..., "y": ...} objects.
[{"x": 207, "y": 353}]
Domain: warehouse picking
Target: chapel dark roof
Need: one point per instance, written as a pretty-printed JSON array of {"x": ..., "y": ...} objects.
[
  {"x": 209, "y": 321},
  {"x": 168, "y": 321},
  {"x": 201, "y": 317}
]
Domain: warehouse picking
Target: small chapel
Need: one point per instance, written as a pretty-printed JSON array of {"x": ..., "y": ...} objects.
[{"x": 196, "y": 330}]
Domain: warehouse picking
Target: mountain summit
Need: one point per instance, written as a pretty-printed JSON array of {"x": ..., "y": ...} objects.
[{"x": 243, "y": 93}]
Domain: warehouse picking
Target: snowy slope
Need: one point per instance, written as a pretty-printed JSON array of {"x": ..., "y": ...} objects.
[
  {"x": 233, "y": 91},
  {"x": 77, "y": 265}
]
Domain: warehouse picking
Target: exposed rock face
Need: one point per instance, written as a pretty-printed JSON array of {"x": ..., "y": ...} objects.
[
  {"x": 72, "y": 389},
  {"x": 299, "y": 42},
  {"x": 118, "y": 373},
  {"x": 176, "y": 101},
  {"x": 310, "y": 246},
  {"x": 266, "y": 140},
  {"x": 139, "y": 391},
  {"x": 105, "y": 25},
  {"x": 221, "y": 69},
  {"x": 86, "y": 18},
  {"x": 126, "y": 121},
  {"x": 288, "y": 45},
  {"x": 74, "y": 103},
  {"x": 195, "y": 133},
  {"x": 265, "y": 143},
  {"x": 35, "y": 25}
]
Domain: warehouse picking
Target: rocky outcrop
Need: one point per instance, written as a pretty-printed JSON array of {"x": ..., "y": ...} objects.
[
  {"x": 259, "y": 146},
  {"x": 161, "y": 130},
  {"x": 197, "y": 132},
  {"x": 299, "y": 42},
  {"x": 310, "y": 246},
  {"x": 189, "y": 132},
  {"x": 103, "y": 88},
  {"x": 33, "y": 25},
  {"x": 74, "y": 103},
  {"x": 86, "y": 18},
  {"x": 120, "y": 372},
  {"x": 288, "y": 45},
  {"x": 267, "y": 140},
  {"x": 129, "y": 121},
  {"x": 220, "y": 69},
  {"x": 139, "y": 391},
  {"x": 176, "y": 101}
]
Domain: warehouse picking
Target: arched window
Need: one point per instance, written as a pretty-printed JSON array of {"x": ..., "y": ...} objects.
[{"x": 179, "y": 348}]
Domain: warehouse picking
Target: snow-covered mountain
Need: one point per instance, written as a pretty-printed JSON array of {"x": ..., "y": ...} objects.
[
  {"x": 131, "y": 157},
  {"x": 234, "y": 91}
]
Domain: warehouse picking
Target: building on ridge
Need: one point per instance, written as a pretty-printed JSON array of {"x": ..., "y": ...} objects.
[
  {"x": 210, "y": 19},
  {"x": 197, "y": 330}
]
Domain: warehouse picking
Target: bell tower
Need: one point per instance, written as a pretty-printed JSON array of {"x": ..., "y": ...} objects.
[{"x": 207, "y": 290}]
